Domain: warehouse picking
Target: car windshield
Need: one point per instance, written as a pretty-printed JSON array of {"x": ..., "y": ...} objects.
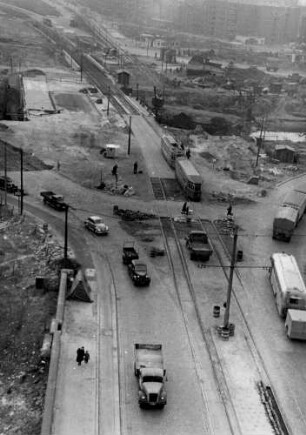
[
  {"x": 141, "y": 268},
  {"x": 153, "y": 379},
  {"x": 97, "y": 221}
]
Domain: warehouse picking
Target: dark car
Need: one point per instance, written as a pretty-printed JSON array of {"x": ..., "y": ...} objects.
[{"x": 138, "y": 272}]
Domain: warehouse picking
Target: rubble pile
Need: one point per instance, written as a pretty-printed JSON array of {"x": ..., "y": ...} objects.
[
  {"x": 131, "y": 215},
  {"x": 27, "y": 251}
]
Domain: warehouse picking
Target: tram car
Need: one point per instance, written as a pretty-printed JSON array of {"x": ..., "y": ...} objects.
[
  {"x": 189, "y": 178},
  {"x": 171, "y": 150}
]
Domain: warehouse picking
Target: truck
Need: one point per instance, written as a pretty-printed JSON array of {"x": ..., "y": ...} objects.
[
  {"x": 295, "y": 324},
  {"x": 129, "y": 252},
  {"x": 6, "y": 183},
  {"x": 272, "y": 64},
  {"x": 199, "y": 245},
  {"x": 151, "y": 374},
  {"x": 284, "y": 223},
  {"x": 53, "y": 200}
]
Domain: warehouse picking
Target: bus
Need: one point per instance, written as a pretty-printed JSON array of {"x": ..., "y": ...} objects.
[
  {"x": 171, "y": 149},
  {"x": 189, "y": 179},
  {"x": 287, "y": 283}
]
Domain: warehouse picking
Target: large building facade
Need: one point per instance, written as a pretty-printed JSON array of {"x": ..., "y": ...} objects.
[{"x": 277, "y": 22}]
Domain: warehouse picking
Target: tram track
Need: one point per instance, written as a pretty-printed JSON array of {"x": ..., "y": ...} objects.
[
  {"x": 264, "y": 387},
  {"x": 179, "y": 268}
]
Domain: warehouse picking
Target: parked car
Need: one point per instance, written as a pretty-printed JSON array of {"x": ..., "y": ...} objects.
[
  {"x": 138, "y": 272},
  {"x": 96, "y": 225}
]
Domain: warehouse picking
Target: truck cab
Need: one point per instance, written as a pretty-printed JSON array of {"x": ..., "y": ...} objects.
[{"x": 151, "y": 388}]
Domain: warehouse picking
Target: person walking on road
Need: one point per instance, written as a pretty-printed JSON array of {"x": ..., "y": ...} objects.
[
  {"x": 185, "y": 209},
  {"x": 115, "y": 172},
  {"x": 115, "y": 169},
  {"x": 80, "y": 355},
  {"x": 135, "y": 168},
  {"x": 86, "y": 356},
  {"x": 229, "y": 210},
  {"x": 188, "y": 153}
]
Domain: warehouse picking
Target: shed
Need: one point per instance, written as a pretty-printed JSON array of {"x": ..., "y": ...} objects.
[
  {"x": 111, "y": 150},
  {"x": 123, "y": 78},
  {"x": 285, "y": 154}
]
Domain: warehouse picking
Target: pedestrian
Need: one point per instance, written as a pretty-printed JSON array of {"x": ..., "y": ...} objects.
[
  {"x": 115, "y": 170},
  {"x": 188, "y": 153},
  {"x": 86, "y": 356},
  {"x": 58, "y": 165},
  {"x": 80, "y": 355},
  {"x": 185, "y": 209},
  {"x": 135, "y": 167},
  {"x": 229, "y": 210}
]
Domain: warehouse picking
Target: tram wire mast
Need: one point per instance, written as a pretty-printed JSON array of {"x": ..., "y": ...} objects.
[{"x": 230, "y": 281}]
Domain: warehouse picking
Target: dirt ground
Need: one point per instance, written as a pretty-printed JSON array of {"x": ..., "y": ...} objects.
[{"x": 70, "y": 142}]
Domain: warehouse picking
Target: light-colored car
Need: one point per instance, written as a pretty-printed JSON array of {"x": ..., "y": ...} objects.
[{"x": 96, "y": 225}]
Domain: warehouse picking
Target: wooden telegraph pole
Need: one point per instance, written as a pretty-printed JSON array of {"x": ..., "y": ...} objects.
[{"x": 130, "y": 131}]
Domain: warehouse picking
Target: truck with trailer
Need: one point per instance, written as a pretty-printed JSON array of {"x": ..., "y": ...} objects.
[
  {"x": 199, "y": 245},
  {"x": 53, "y": 200},
  {"x": 151, "y": 374}
]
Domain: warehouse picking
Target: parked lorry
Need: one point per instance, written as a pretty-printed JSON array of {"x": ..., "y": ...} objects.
[
  {"x": 296, "y": 324},
  {"x": 6, "y": 183},
  {"x": 53, "y": 200},
  {"x": 129, "y": 252},
  {"x": 151, "y": 374},
  {"x": 199, "y": 245},
  {"x": 284, "y": 223}
]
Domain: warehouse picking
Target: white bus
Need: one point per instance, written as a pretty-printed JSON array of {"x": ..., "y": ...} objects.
[
  {"x": 287, "y": 283},
  {"x": 171, "y": 149}
]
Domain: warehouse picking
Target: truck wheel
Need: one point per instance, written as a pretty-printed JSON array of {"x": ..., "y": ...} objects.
[{"x": 161, "y": 406}]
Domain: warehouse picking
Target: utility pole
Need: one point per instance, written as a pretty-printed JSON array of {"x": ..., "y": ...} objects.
[
  {"x": 66, "y": 236},
  {"x": 5, "y": 175},
  {"x": 259, "y": 140},
  {"x": 108, "y": 98},
  {"x": 21, "y": 181},
  {"x": 230, "y": 281},
  {"x": 129, "y": 141},
  {"x": 81, "y": 67}
]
